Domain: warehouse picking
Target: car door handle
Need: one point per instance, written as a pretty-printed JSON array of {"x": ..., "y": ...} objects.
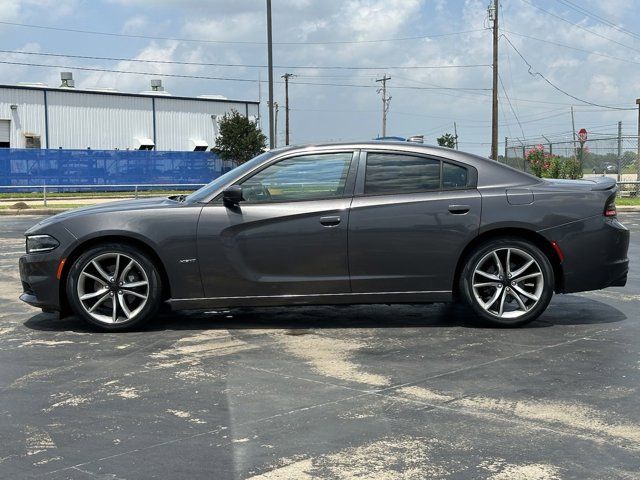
[
  {"x": 330, "y": 221},
  {"x": 459, "y": 209}
]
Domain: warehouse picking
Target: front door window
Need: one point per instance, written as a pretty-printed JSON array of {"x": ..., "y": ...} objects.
[{"x": 307, "y": 177}]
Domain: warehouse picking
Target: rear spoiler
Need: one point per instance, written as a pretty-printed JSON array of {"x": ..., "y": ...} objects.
[{"x": 603, "y": 183}]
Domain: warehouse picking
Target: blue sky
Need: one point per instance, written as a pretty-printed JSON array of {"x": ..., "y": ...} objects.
[{"x": 338, "y": 112}]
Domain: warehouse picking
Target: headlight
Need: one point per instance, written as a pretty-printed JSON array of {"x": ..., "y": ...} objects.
[{"x": 41, "y": 243}]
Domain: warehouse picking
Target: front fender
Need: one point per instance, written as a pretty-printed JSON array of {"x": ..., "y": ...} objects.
[{"x": 170, "y": 233}]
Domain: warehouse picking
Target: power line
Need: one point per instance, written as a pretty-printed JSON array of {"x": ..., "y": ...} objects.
[
  {"x": 443, "y": 90},
  {"x": 238, "y": 42},
  {"x": 509, "y": 68},
  {"x": 595, "y": 16},
  {"x": 526, "y": 100},
  {"x": 511, "y": 106},
  {"x": 205, "y": 77},
  {"x": 207, "y": 64},
  {"x": 558, "y": 44},
  {"x": 127, "y": 72},
  {"x": 538, "y": 74},
  {"x": 579, "y": 26},
  {"x": 533, "y": 117}
]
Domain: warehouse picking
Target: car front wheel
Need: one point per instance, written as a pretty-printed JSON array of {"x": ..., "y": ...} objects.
[
  {"x": 507, "y": 282},
  {"x": 114, "y": 287}
]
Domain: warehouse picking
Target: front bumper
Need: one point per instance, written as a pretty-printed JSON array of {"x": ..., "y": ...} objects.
[{"x": 40, "y": 286}]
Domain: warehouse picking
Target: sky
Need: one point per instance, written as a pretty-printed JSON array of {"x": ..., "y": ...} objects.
[{"x": 588, "y": 50}]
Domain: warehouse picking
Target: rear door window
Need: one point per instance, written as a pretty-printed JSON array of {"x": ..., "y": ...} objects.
[
  {"x": 453, "y": 176},
  {"x": 388, "y": 173}
]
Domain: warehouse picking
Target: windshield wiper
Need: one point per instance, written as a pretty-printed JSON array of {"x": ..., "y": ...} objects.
[{"x": 178, "y": 198}]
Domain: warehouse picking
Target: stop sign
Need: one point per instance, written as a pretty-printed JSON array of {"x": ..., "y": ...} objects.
[{"x": 582, "y": 135}]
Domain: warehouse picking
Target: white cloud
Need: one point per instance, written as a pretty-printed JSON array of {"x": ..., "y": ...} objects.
[
  {"x": 12, "y": 10},
  {"x": 123, "y": 82},
  {"x": 135, "y": 24},
  {"x": 603, "y": 87}
]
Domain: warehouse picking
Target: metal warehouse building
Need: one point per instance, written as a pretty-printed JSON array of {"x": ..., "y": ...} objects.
[{"x": 37, "y": 116}]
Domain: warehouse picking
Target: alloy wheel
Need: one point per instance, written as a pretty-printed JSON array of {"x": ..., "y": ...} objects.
[
  {"x": 507, "y": 282},
  {"x": 113, "y": 288}
]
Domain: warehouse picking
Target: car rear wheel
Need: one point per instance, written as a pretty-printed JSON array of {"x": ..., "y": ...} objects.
[
  {"x": 114, "y": 287},
  {"x": 507, "y": 282}
]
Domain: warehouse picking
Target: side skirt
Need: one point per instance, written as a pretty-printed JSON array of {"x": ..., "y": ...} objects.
[{"x": 319, "y": 299}]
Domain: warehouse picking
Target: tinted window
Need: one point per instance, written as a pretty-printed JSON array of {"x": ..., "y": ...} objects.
[
  {"x": 391, "y": 173},
  {"x": 308, "y": 177},
  {"x": 453, "y": 176},
  {"x": 202, "y": 193}
]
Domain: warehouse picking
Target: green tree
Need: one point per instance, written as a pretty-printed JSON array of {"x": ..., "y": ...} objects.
[
  {"x": 240, "y": 139},
  {"x": 447, "y": 140}
]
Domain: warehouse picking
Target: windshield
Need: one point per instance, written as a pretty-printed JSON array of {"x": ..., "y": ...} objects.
[{"x": 203, "y": 193}]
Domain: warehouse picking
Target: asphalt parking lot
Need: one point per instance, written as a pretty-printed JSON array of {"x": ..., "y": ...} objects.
[{"x": 376, "y": 392}]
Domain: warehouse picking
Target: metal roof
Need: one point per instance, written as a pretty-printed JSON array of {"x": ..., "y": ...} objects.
[{"x": 124, "y": 94}]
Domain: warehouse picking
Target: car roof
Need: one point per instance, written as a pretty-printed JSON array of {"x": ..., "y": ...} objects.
[{"x": 435, "y": 150}]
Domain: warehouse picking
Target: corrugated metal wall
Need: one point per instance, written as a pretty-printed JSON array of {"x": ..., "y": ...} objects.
[
  {"x": 81, "y": 120},
  {"x": 27, "y": 118},
  {"x": 180, "y": 121},
  {"x": 102, "y": 122}
]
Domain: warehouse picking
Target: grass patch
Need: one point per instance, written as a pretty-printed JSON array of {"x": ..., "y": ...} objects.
[{"x": 628, "y": 201}]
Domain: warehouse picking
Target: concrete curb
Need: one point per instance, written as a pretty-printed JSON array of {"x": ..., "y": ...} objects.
[{"x": 53, "y": 211}]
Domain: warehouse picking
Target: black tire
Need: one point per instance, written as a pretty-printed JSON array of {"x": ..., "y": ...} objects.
[
  {"x": 153, "y": 290},
  {"x": 501, "y": 244}
]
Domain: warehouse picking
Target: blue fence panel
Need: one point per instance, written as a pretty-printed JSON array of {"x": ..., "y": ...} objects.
[{"x": 107, "y": 167}]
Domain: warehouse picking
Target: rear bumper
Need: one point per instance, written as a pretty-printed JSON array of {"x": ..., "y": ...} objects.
[{"x": 595, "y": 253}]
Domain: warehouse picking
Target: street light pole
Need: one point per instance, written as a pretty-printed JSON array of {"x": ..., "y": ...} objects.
[{"x": 270, "y": 62}]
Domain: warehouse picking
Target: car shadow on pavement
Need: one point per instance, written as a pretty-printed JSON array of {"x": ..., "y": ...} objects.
[{"x": 564, "y": 310}]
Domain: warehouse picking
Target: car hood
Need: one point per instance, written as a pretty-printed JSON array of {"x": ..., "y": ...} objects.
[{"x": 118, "y": 206}]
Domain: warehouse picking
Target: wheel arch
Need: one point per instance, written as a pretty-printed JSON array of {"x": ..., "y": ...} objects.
[
  {"x": 112, "y": 238},
  {"x": 538, "y": 240}
]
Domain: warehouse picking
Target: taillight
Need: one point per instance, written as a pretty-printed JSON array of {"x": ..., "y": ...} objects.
[{"x": 610, "y": 207}]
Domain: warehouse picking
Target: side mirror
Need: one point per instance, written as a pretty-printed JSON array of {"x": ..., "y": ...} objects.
[{"x": 232, "y": 195}]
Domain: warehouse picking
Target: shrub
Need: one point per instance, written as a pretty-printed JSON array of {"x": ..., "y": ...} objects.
[
  {"x": 240, "y": 139},
  {"x": 545, "y": 165}
]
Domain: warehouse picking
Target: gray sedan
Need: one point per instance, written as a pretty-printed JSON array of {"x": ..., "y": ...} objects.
[{"x": 373, "y": 222}]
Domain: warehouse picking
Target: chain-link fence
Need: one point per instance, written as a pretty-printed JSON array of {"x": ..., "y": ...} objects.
[{"x": 611, "y": 155}]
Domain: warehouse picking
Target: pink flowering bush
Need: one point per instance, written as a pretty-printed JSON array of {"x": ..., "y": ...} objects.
[{"x": 545, "y": 165}]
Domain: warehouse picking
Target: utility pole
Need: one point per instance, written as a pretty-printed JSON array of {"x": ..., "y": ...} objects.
[
  {"x": 619, "y": 148},
  {"x": 259, "y": 100},
  {"x": 286, "y": 77},
  {"x": 493, "y": 15},
  {"x": 272, "y": 141},
  {"x": 455, "y": 133},
  {"x": 573, "y": 129},
  {"x": 385, "y": 102},
  {"x": 638, "y": 152},
  {"x": 275, "y": 124}
]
